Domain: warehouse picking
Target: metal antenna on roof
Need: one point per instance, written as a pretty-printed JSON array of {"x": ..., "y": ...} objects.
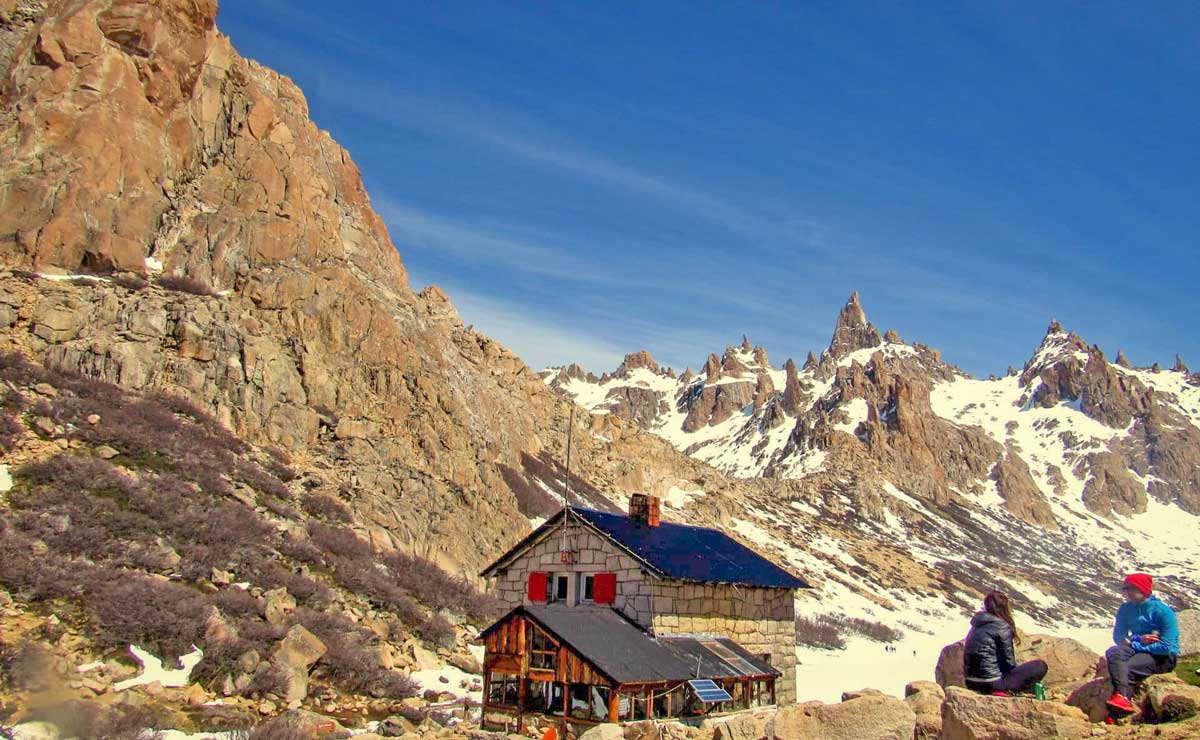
[{"x": 567, "y": 484}]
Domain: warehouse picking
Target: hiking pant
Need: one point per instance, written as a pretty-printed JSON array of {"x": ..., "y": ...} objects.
[
  {"x": 1021, "y": 678},
  {"x": 1127, "y": 667}
]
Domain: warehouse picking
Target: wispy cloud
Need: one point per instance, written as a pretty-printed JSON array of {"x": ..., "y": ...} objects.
[
  {"x": 480, "y": 244},
  {"x": 539, "y": 340}
]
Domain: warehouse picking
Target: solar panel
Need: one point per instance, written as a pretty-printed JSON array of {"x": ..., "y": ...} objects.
[{"x": 709, "y": 692}]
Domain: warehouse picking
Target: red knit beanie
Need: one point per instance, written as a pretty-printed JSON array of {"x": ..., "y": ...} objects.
[{"x": 1141, "y": 582}]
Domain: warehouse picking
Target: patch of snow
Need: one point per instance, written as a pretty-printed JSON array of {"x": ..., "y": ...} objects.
[
  {"x": 431, "y": 679},
  {"x": 677, "y": 498},
  {"x": 153, "y": 670},
  {"x": 153, "y": 264},
  {"x": 856, "y": 409},
  {"x": 6, "y": 481},
  {"x": 71, "y": 276},
  {"x": 90, "y": 666}
]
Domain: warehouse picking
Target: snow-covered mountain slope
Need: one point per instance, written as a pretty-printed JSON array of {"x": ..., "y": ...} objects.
[{"x": 903, "y": 487}]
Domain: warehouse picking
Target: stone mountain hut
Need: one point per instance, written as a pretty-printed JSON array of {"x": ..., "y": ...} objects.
[{"x": 622, "y": 618}]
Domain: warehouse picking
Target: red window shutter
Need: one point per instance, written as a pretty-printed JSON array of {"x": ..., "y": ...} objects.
[
  {"x": 604, "y": 588},
  {"x": 537, "y": 586}
]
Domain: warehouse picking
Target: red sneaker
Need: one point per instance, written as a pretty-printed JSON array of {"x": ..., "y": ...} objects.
[
  {"x": 1000, "y": 693},
  {"x": 1109, "y": 721},
  {"x": 1120, "y": 704}
]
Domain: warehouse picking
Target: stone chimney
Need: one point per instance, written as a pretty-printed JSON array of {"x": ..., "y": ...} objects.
[{"x": 645, "y": 509}]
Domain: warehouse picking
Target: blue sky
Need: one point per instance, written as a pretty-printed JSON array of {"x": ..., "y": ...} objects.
[{"x": 587, "y": 179}]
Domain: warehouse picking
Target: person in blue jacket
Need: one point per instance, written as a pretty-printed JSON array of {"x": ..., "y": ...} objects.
[{"x": 1146, "y": 641}]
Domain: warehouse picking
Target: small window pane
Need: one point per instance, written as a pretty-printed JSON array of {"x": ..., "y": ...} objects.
[{"x": 589, "y": 583}]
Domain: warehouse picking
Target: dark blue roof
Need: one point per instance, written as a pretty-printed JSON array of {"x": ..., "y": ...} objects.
[{"x": 691, "y": 553}]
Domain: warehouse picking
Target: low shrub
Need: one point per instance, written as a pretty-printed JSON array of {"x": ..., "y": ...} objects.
[
  {"x": 374, "y": 583},
  {"x": 327, "y": 508},
  {"x": 260, "y": 480},
  {"x": 352, "y": 660},
  {"x": 339, "y": 541},
  {"x": 162, "y": 617},
  {"x": 825, "y": 631},
  {"x": 438, "y": 630},
  {"x": 10, "y": 431},
  {"x": 818, "y": 633},
  {"x": 299, "y": 549},
  {"x": 438, "y": 589}
]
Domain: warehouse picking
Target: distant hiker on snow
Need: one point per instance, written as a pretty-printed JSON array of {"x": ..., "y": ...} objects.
[
  {"x": 989, "y": 664},
  {"x": 1146, "y": 638}
]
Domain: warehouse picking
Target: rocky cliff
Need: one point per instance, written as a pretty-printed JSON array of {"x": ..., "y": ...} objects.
[{"x": 171, "y": 218}]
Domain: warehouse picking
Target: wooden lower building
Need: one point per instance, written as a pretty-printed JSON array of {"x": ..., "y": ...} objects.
[{"x": 580, "y": 666}]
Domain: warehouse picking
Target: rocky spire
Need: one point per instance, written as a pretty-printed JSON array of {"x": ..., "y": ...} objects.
[
  {"x": 1122, "y": 360},
  {"x": 641, "y": 358},
  {"x": 763, "y": 389},
  {"x": 891, "y": 336},
  {"x": 712, "y": 368},
  {"x": 853, "y": 331},
  {"x": 746, "y": 347},
  {"x": 1180, "y": 366},
  {"x": 792, "y": 392},
  {"x": 810, "y": 362},
  {"x": 760, "y": 357},
  {"x": 1054, "y": 327}
]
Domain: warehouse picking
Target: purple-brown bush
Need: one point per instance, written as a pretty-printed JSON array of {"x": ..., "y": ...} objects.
[{"x": 327, "y": 508}]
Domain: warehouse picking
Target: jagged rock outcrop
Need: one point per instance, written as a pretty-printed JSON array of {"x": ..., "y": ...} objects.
[
  {"x": 852, "y": 331},
  {"x": 708, "y": 404},
  {"x": 764, "y": 390},
  {"x": 1021, "y": 494},
  {"x": 1110, "y": 488},
  {"x": 636, "y": 360},
  {"x": 640, "y": 405},
  {"x": 793, "y": 393}
]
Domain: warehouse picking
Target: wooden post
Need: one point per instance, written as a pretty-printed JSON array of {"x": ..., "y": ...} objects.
[
  {"x": 746, "y": 694},
  {"x": 614, "y": 705},
  {"x": 773, "y": 691}
]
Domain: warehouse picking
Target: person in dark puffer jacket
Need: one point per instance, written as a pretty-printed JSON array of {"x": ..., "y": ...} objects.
[{"x": 989, "y": 663}]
